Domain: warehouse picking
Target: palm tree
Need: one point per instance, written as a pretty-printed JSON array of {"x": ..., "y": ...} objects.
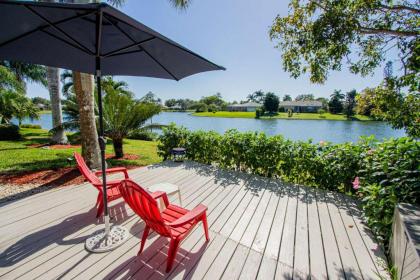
[
  {"x": 13, "y": 102},
  {"x": 123, "y": 114},
  {"x": 26, "y": 72},
  {"x": 59, "y": 134}
]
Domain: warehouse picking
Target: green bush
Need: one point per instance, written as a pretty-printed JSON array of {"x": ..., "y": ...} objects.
[
  {"x": 9, "y": 132},
  {"x": 389, "y": 171},
  {"x": 390, "y": 174},
  {"x": 142, "y": 134},
  {"x": 28, "y": 125}
]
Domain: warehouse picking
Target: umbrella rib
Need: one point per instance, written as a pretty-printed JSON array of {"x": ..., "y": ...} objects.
[
  {"x": 66, "y": 42},
  {"x": 111, "y": 53},
  {"x": 123, "y": 53},
  {"x": 43, "y": 27},
  {"x": 57, "y": 28},
  {"x": 141, "y": 48}
]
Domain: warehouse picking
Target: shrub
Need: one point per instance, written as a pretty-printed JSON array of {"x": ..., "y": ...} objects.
[
  {"x": 35, "y": 126},
  {"x": 257, "y": 113},
  {"x": 141, "y": 134},
  {"x": 201, "y": 107},
  {"x": 389, "y": 171},
  {"x": 9, "y": 132},
  {"x": 321, "y": 111},
  {"x": 390, "y": 174}
]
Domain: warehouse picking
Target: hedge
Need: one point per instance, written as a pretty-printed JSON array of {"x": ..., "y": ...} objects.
[{"x": 388, "y": 172}]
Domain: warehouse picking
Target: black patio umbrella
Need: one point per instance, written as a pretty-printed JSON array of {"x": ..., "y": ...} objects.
[{"x": 95, "y": 39}]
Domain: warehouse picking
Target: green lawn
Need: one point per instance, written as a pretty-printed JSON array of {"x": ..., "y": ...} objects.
[
  {"x": 296, "y": 116},
  {"x": 17, "y": 156}
]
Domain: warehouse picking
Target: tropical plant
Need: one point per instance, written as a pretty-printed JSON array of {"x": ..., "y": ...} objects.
[
  {"x": 305, "y": 97},
  {"x": 122, "y": 115},
  {"x": 271, "y": 103},
  {"x": 257, "y": 96},
  {"x": 399, "y": 109},
  {"x": 66, "y": 78},
  {"x": 26, "y": 72},
  {"x": 13, "y": 102},
  {"x": 350, "y": 103},
  {"x": 287, "y": 97},
  {"x": 150, "y": 97},
  {"x": 364, "y": 101},
  {"x": 335, "y": 104}
]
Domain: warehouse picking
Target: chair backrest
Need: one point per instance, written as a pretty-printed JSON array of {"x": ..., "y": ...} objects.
[
  {"x": 144, "y": 205},
  {"x": 84, "y": 169}
]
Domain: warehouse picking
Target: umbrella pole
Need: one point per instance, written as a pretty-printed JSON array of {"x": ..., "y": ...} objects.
[
  {"x": 111, "y": 237},
  {"x": 102, "y": 145}
]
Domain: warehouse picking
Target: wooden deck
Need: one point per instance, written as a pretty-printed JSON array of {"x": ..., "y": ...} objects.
[{"x": 259, "y": 228}]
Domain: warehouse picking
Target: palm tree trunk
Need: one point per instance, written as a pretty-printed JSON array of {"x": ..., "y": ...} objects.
[
  {"x": 118, "y": 147},
  {"x": 83, "y": 87},
  {"x": 59, "y": 136}
]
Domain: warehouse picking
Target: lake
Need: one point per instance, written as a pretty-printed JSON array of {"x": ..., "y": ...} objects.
[{"x": 333, "y": 131}]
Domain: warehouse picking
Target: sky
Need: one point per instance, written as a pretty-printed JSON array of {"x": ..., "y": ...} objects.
[{"x": 233, "y": 34}]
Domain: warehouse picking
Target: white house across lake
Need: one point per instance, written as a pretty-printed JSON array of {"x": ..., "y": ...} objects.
[
  {"x": 301, "y": 106},
  {"x": 245, "y": 107}
]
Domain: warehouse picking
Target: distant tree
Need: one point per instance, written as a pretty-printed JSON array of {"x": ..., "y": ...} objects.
[
  {"x": 350, "y": 103},
  {"x": 215, "y": 99},
  {"x": 305, "y": 97},
  {"x": 287, "y": 97},
  {"x": 365, "y": 101},
  {"x": 324, "y": 102},
  {"x": 200, "y": 107},
  {"x": 43, "y": 101},
  {"x": 212, "y": 108},
  {"x": 257, "y": 96},
  {"x": 150, "y": 97},
  {"x": 336, "y": 102},
  {"x": 170, "y": 102},
  {"x": 398, "y": 109},
  {"x": 271, "y": 103}
]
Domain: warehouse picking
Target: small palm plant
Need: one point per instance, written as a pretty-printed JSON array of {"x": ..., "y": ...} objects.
[{"x": 124, "y": 114}]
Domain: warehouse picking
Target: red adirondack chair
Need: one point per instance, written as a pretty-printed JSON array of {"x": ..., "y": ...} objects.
[
  {"x": 173, "y": 222},
  {"x": 113, "y": 192}
]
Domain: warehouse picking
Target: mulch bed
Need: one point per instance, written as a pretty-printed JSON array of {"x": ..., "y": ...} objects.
[
  {"x": 125, "y": 157},
  {"x": 20, "y": 185},
  {"x": 60, "y": 177}
]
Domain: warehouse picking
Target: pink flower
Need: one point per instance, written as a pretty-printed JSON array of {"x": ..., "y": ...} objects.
[
  {"x": 322, "y": 143},
  {"x": 370, "y": 152},
  {"x": 356, "y": 182}
]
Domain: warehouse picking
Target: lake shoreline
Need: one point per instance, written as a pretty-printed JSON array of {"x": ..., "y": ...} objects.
[{"x": 284, "y": 116}]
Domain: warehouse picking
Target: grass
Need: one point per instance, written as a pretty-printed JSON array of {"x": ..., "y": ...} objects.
[
  {"x": 44, "y": 112},
  {"x": 296, "y": 116},
  {"x": 17, "y": 156}
]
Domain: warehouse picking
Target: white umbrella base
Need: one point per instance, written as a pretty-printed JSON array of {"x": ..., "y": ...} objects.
[{"x": 100, "y": 242}]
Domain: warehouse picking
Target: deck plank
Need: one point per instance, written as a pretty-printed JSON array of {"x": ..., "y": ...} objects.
[
  {"x": 318, "y": 267},
  {"x": 287, "y": 247},
  {"x": 301, "y": 254},
  {"x": 331, "y": 251}
]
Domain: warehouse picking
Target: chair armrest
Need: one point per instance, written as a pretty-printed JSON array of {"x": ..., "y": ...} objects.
[
  {"x": 114, "y": 170},
  {"x": 198, "y": 211},
  {"x": 159, "y": 194}
]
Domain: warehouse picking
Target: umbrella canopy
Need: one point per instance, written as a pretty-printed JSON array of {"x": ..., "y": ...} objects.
[
  {"x": 95, "y": 39},
  {"x": 74, "y": 36}
]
